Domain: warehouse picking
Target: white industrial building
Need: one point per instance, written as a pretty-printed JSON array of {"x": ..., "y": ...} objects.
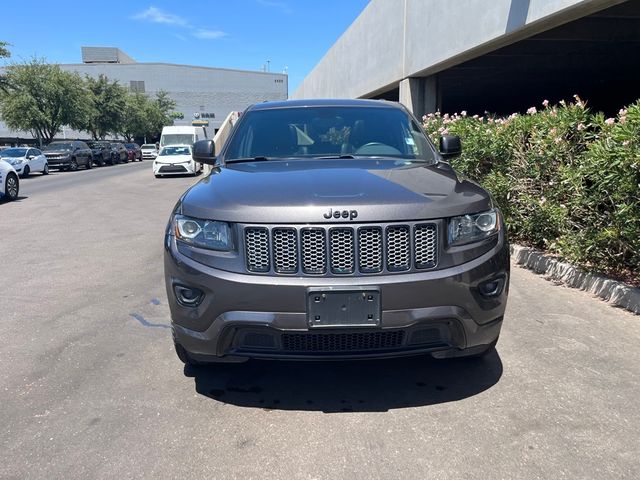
[{"x": 203, "y": 95}]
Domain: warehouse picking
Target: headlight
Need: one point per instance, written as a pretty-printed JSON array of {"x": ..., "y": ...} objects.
[
  {"x": 203, "y": 233},
  {"x": 473, "y": 228}
]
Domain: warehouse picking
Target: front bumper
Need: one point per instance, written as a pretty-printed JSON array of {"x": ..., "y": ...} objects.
[
  {"x": 241, "y": 315},
  {"x": 174, "y": 169},
  {"x": 58, "y": 162}
]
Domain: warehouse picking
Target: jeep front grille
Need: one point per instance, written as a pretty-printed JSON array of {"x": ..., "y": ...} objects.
[{"x": 341, "y": 250}]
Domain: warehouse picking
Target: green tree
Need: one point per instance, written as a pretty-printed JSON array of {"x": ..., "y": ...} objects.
[
  {"x": 41, "y": 98},
  {"x": 4, "y": 53},
  {"x": 109, "y": 102},
  {"x": 160, "y": 111},
  {"x": 136, "y": 122}
]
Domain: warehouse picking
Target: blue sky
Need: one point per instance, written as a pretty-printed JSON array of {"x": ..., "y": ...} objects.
[{"x": 244, "y": 34}]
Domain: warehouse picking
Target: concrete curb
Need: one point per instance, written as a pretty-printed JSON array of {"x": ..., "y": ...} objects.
[{"x": 616, "y": 293}]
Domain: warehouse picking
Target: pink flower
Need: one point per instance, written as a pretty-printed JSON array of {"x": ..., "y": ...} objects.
[
  {"x": 545, "y": 103},
  {"x": 476, "y": 117},
  {"x": 532, "y": 111},
  {"x": 626, "y": 143},
  {"x": 623, "y": 119},
  {"x": 446, "y": 116},
  {"x": 622, "y": 112},
  {"x": 463, "y": 113},
  {"x": 581, "y": 127},
  {"x": 610, "y": 121}
]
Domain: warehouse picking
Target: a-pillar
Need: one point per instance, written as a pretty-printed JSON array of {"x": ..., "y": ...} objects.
[{"x": 420, "y": 95}]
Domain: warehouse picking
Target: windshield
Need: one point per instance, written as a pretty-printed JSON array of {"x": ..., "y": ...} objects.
[
  {"x": 148, "y": 145},
  {"x": 59, "y": 146},
  {"x": 329, "y": 132},
  {"x": 175, "y": 151},
  {"x": 176, "y": 139},
  {"x": 14, "y": 152},
  {"x": 95, "y": 144}
]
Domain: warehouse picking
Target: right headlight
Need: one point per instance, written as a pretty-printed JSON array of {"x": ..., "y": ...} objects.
[
  {"x": 203, "y": 233},
  {"x": 473, "y": 228}
]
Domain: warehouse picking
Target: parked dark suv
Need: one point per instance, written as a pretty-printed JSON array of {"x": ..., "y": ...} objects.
[
  {"x": 101, "y": 152},
  {"x": 334, "y": 229},
  {"x": 119, "y": 153},
  {"x": 68, "y": 155}
]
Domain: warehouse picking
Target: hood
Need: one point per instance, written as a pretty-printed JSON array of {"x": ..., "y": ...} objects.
[
  {"x": 311, "y": 191},
  {"x": 13, "y": 160}
]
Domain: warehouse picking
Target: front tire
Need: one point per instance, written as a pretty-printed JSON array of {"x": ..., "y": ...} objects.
[
  {"x": 89, "y": 164},
  {"x": 73, "y": 165},
  {"x": 45, "y": 171},
  {"x": 26, "y": 171},
  {"x": 12, "y": 186}
]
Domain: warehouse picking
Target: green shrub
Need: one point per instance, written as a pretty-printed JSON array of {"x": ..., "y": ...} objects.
[{"x": 566, "y": 179}]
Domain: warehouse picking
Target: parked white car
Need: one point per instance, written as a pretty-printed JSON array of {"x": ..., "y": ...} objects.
[
  {"x": 9, "y": 183},
  {"x": 25, "y": 160},
  {"x": 175, "y": 160},
  {"x": 149, "y": 151}
]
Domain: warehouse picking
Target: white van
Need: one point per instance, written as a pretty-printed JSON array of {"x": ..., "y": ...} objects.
[{"x": 181, "y": 135}]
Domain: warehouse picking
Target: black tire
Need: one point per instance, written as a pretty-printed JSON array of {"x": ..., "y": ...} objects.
[
  {"x": 73, "y": 165},
  {"x": 89, "y": 164},
  {"x": 46, "y": 169},
  {"x": 158, "y": 176},
  {"x": 12, "y": 187},
  {"x": 26, "y": 171}
]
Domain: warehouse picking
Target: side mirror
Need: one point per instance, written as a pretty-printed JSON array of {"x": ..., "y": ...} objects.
[
  {"x": 31, "y": 157},
  {"x": 204, "y": 151},
  {"x": 450, "y": 146}
]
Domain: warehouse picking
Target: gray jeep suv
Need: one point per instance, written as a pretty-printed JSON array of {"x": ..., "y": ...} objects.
[{"x": 334, "y": 229}]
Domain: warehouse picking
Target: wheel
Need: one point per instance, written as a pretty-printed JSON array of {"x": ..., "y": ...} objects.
[
  {"x": 45, "y": 171},
  {"x": 12, "y": 186},
  {"x": 157, "y": 176},
  {"x": 26, "y": 171},
  {"x": 73, "y": 166},
  {"x": 89, "y": 164}
]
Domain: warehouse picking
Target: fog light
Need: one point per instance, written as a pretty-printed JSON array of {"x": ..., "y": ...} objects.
[
  {"x": 492, "y": 288},
  {"x": 188, "y": 296}
]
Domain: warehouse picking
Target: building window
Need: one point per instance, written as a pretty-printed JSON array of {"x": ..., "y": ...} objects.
[{"x": 136, "y": 86}]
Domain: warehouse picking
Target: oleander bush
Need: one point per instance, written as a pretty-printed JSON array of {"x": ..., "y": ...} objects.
[{"x": 566, "y": 178}]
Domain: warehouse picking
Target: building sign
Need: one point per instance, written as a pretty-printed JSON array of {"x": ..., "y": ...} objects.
[{"x": 197, "y": 115}]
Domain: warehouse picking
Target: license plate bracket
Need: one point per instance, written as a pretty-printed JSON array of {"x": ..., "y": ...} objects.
[{"x": 343, "y": 308}]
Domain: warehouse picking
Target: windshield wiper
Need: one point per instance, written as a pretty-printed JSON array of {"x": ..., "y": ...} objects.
[
  {"x": 248, "y": 159},
  {"x": 330, "y": 157}
]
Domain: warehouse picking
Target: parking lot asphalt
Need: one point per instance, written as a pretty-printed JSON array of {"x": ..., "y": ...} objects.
[{"x": 91, "y": 388}]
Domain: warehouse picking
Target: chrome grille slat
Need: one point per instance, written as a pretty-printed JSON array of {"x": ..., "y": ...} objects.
[
  {"x": 285, "y": 250},
  {"x": 425, "y": 243},
  {"x": 257, "y": 249},
  {"x": 342, "y": 246},
  {"x": 398, "y": 248},
  {"x": 370, "y": 249},
  {"x": 336, "y": 250},
  {"x": 314, "y": 250}
]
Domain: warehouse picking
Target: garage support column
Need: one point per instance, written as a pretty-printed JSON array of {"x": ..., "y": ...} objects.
[{"x": 420, "y": 95}]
